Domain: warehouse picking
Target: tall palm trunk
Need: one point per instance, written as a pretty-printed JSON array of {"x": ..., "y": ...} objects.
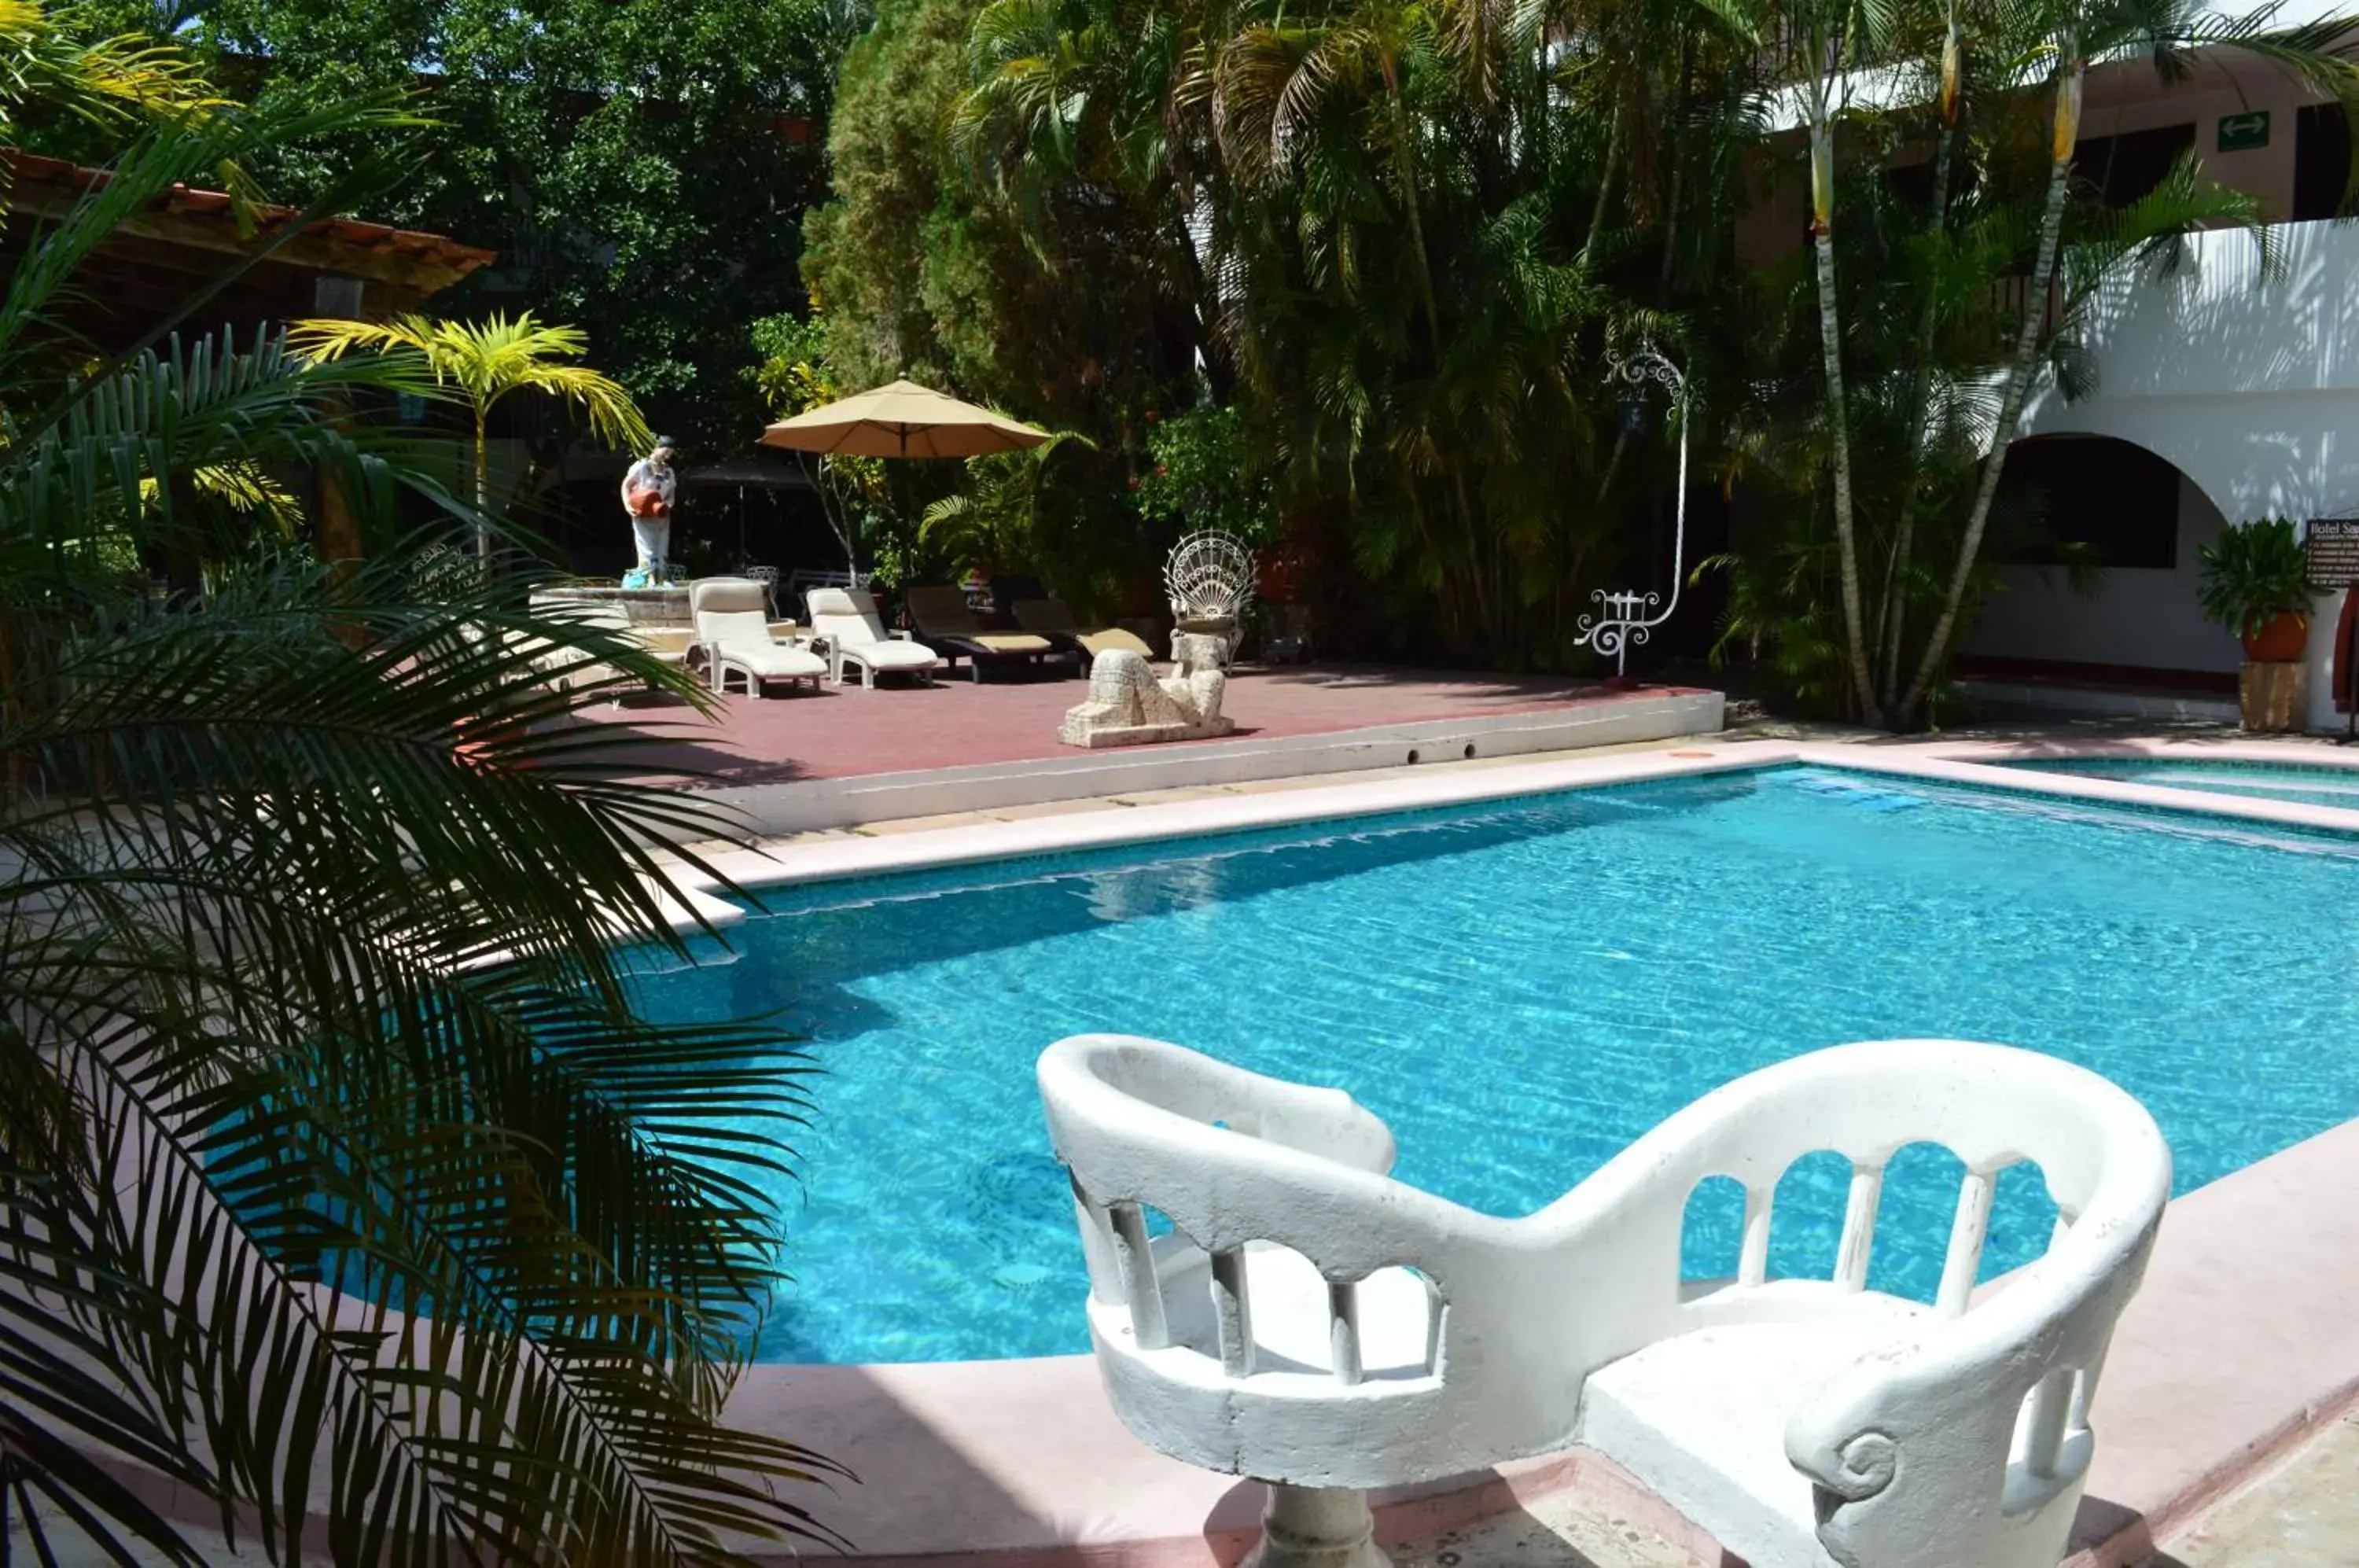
[
  {"x": 2067, "y": 131},
  {"x": 1604, "y": 185},
  {"x": 1894, "y": 614},
  {"x": 1677, "y": 120},
  {"x": 1822, "y": 201},
  {"x": 1404, "y": 175},
  {"x": 1588, "y": 250},
  {"x": 482, "y": 480}
]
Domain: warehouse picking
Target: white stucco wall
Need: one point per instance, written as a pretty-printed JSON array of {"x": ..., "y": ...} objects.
[
  {"x": 2248, "y": 382},
  {"x": 2144, "y": 617}
]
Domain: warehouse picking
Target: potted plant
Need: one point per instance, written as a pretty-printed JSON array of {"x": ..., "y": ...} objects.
[{"x": 2255, "y": 582}]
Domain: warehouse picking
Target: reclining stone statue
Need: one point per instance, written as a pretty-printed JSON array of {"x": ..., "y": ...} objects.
[{"x": 1128, "y": 706}]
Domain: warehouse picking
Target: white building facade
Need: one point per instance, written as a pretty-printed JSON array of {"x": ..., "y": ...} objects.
[{"x": 2240, "y": 370}]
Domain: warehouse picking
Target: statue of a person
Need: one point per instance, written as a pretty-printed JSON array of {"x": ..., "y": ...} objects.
[{"x": 649, "y": 491}]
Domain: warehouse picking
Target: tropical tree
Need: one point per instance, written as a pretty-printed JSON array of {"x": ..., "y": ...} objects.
[
  {"x": 338, "y": 1163},
  {"x": 643, "y": 167},
  {"x": 1944, "y": 312},
  {"x": 1821, "y": 43},
  {"x": 2071, "y": 33},
  {"x": 1108, "y": 95},
  {"x": 1391, "y": 224},
  {"x": 994, "y": 521},
  {"x": 103, "y": 86},
  {"x": 484, "y": 361},
  {"x": 1408, "y": 235}
]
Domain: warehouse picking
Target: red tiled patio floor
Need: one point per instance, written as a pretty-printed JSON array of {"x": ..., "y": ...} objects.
[{"x": 846, "y": 732}]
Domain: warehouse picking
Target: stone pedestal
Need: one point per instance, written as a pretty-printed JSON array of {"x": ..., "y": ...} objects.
[
  {"x": 664, "y": 606},
  {"x": 1316, "y": 1527},
  {"x": 2275, "y": 696}
]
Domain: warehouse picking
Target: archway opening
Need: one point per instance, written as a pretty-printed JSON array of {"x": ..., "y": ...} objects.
[{"x": 2088, "y": 500}]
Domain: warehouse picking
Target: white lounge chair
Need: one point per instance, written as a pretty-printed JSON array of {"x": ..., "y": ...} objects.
[
  {"x": 732, "y": 629},
  {"x": 1311, "y": 1322},
  {"x": 855, "y": 637}
]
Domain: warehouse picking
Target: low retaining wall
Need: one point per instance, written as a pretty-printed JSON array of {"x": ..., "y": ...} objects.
[{"x": 807, "y": 805}]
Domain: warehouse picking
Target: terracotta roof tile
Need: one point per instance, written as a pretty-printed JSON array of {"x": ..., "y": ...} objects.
[{"x": 184, "y": 200}]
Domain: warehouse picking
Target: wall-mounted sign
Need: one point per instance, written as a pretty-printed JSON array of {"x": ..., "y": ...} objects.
[
  {"x": 2333, "y": 546},
  {"x": 2244, "y": 133}
]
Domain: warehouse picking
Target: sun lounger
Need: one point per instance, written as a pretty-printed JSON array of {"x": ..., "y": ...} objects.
[
  {"x": 1034, "y": 609},
  {"x": 1051, "y": 619},
  {"x": 941, "y": 615},
  {"x": 732, "y": 629},
  {"x": 847, "y": 623}
]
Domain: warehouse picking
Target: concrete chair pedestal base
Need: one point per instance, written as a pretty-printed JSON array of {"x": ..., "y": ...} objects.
[{"x": 1316, "y": 1527}]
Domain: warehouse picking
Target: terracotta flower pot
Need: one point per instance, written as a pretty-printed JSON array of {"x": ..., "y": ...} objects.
[{"x": 2279, "y": 640}]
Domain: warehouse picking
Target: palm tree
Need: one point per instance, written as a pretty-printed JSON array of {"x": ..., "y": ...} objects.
[
  {"x": 338, "y": 1164},
  {"x": 485, "y": 361},
  {"x": 1819, "y": 41},
  {"x": 1110, "y": 95},
  {"x": 108, "y": 83},
  {"x": 1918, "y": 382},
  {"x": 2071, "y": 32}
]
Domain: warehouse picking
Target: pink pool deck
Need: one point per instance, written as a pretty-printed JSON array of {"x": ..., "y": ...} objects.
[
  {"x": 2243, "y": 1339},
  {"x": 851, "y": 731}
]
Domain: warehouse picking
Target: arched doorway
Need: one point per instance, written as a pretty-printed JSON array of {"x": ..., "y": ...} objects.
[
  {"x": 2101, "y": 500},
  {"x": 2096, "y": 543}
]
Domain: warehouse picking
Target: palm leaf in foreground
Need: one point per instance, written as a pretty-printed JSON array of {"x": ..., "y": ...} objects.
[{"x": 341, "y": 1182}]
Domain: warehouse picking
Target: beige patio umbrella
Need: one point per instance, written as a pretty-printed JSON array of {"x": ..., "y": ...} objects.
[{"x": 903, "y": 420}]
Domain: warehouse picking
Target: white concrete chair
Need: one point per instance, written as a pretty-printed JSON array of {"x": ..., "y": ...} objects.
[
  {"x": 733, "y": 633},
  {"x": 855, "y": 637},
  {"x": 1311, "y": 1322}
]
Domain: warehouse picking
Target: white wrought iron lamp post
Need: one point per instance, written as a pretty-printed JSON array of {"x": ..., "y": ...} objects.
[{"x": 1625, "y": 615}]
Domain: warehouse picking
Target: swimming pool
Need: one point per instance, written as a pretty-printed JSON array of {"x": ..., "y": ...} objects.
[
  {"x": 2312, "y": 786},
  {"x": 1521, "y": 990}
]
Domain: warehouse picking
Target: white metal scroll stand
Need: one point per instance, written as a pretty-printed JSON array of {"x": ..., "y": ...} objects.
[{"x": 1625, "y": 615}]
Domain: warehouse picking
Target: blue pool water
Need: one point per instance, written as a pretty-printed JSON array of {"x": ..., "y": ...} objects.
[
  {"x": 1520, "y": 990},
  {"x": 2264, "y": 781}
]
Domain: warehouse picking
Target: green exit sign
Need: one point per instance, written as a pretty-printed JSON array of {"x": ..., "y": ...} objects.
[{"x": 2244, "y": 133}]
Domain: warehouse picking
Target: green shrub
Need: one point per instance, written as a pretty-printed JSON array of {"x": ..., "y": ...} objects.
[{"x": 2256, "y": 572}]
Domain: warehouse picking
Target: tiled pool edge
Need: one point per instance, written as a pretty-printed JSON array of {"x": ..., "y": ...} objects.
[
  {"x": 2241, "y": 1344},
  {"x": 794, "y": 860},
  {"x": 820, "y": 859},
  {"x": 1976, "y": 765},
  {"x": 2182, "y": 1422}
]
